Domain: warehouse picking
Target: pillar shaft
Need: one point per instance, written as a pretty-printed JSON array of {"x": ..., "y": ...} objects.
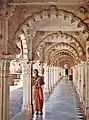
[
  {"x": 50, "y": 77},
  {"x": 46, "y": 79},
  {"x": 87, "y": 83},
  {"x": 4, "y": 89},
  {"x": 27, "y": 88},
  {"x": 54, "y": 75},
  {"x": 82, "y": 82}
]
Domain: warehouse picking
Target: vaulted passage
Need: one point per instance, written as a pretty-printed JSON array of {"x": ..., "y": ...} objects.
[{"x": 51, "y": 36}]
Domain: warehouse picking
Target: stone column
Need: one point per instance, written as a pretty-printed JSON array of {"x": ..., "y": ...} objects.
[
  {"x": 1, "y": 89},
  {"x": 87, "y": 87},
  {"x": 54, "y": 75},
  {"x": 27, "y": 88},
  {"x": 50, "y": 78},
  {"x": 4, "y": 89},
  {"x": 57, "y": 74},
  {"x": 46, "y": 79},
  {"x": 41, "y": 49},
  {"x": 76, "y": 76},
  {"x": 5, "y": 14},
  {"x": 79, "y": 79},
  {"x": 82, "y": 81}
]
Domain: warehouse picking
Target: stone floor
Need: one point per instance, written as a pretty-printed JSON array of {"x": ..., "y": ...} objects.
[
  {"x": 61, "y": 105},
  {"x": 16, "y": 100}
]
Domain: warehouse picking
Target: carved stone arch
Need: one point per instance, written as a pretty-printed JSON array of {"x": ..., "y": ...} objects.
[
  {"x": 57, "y": 56},
  {"x": 64, "y": 52},
  {"x": 22, "y": 38},
  {"x": 62, "y": 58},
  {"x": 54, "y": 37},
  {"x": 59, "y": 45},
  {"x": 33, "y": 22},
  {"x": 60, "y": 53},
  {"x": 40, "y": 16}
]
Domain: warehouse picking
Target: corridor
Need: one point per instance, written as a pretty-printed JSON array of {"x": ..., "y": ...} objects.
[{"x": 60, "y": 105}]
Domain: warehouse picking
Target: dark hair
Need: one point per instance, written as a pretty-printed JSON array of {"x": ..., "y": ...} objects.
[{"x": 36, "y": 70}]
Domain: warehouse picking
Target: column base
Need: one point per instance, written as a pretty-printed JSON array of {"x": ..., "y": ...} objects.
[
  {"x": 27, "y": 109},
  {"x": 46, "y": 91}
]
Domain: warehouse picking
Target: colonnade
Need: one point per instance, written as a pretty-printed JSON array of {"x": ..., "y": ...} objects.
[
  {"x": 81, "y": 82},
  {"x": 52, "y": 75}
]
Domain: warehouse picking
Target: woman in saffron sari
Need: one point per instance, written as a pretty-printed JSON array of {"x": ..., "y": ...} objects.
[{"x": 38, "y": 92}]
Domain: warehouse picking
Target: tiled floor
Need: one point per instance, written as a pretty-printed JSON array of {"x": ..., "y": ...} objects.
[{"x": 61, "y": 105}]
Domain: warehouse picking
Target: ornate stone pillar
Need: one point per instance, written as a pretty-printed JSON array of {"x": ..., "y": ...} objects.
[
  {"x": 46, "y": 79},
  {"x": 82, "y": 86},
  {"x": 5, "y": 14},
  {"x": 4, "y": 89},
  {"x": 41, "y": 49},
  {"x": 57, "y": 74},
  {"x": 75, "y": 73},
  {"x": 1, "y": 89},
  {"x": 79, "y": 79},
  {"x": 27, "y": 88},
  {"x": 50, "y": 78},
  {"x": 76, "y": 77},
  {"x": 87, "y": 87},
  {"x": 54, "y": 75}
]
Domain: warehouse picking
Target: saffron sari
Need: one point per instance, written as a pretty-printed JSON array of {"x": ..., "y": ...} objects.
[{"x": 38, "y": 93}]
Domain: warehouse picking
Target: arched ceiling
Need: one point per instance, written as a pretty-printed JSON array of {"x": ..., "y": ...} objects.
[
  {"x": 64, "y": 59},
  {"x": 53, "y": 19},
  {"x": 59, "y": 58},
  {"x": 63, "y": 44},
  {"x": 70, "y": 34},
  {"x": 64, "y": 53}
]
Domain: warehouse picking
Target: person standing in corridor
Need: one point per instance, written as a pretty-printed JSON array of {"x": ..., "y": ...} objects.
[{"x": 38, "y": 81}]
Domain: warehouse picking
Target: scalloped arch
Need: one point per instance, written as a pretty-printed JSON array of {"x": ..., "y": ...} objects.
[
  {"x": 54, "y": 37},
  {"x": 52, "y": 12},
  {"x": 63, "y": 58},
  {"x": 64, "y": 52},
  {"x": 66, "y": 46}
]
